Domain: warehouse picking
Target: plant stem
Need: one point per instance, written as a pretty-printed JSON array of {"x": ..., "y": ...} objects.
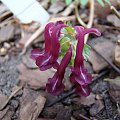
[
  {"x": 91, "y": 17},
  {"x": 78, "y": 16}
]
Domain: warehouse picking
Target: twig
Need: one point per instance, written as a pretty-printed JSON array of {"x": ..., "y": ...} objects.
[
  {"x": 68, "y": 10},
  {"x": 13, "y": 93},
  {"x": 84, "y": 117},
  {"x": 91, "y": 17},
  {"x": 5, "y": 15},
  {"x": 115, "y": 11},
  {"x": 41, "y": 29},
  {"x": 78, "y": 16},
  {"x": 71, "y": 92},
  {"x": 99, "y": 76}
]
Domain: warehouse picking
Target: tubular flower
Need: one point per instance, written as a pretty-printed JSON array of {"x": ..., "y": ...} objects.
[
  {"x": 48, "y": 58},
  {"x": 80, "y": 76},
  {"x": 55, "y": 85}
]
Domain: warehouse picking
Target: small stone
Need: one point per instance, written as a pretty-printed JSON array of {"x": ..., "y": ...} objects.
[
  {"x": 7, "y": 33},
  {"x": 3, "y": 51},
  {"x": 30, "y": 63},
  {"x": 7, "y": 45}
]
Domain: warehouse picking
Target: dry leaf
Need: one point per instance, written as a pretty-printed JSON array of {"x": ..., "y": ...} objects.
[
  {"x": 114, "y": 89},
  {"x": 114, "y": 20},
  {"x": 3, "y": 98},
  {"x": 89, "y": 100},
  {"x": 32, "y": 104},
  {"x": 115, "y": 81},
  {"x": 104, "y": 48},
  {"x": 116, "y": 54},
  {"x": 3, "y": 112},
  {"x": 34, "y": 78}
]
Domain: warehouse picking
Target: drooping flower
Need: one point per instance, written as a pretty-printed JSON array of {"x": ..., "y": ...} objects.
[
  {"x": 48, "y": 58},
  {"x": 55, "y": 84},
  {"x": 83, "y": 90},
  {"x": 80, "y": 76},
  {"x": 36, "y": 52}
]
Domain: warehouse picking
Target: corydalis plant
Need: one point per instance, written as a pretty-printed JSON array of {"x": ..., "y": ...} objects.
[{"x": 66, "y": 42}]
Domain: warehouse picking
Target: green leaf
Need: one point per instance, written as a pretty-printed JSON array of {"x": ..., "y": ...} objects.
[
  {"x": 83, "y": 2},
  {"x": 73, "y": 56},
  {"x": 64, "y": 47},
  {"x": 101, "y": 2},
  {"x": 53, "y": 1},
  {"x": 86, "y": 51},
  {"x": 70, "y": 30},
  {"x": 69, "y": 23},
  {"x": 68, "y": 2},
  {"x": 108, "y": 1}
]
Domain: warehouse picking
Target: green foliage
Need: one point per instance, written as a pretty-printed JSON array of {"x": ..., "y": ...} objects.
[
  {"x": 102, "y": 3},
  {"x": 86, "y": 51},
  {"x": 69, "y": 38},
  {"x": 68, "y": 2},
  {"x": 83, "y": 2},
  {"x": 107, "y": 1},
  {"x": 52, "y": 1}
]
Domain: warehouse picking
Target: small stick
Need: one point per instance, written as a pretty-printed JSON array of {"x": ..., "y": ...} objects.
[
  {"x": 99, "y": 76},
  {"x": 68, "y": 10},
  {"x": 84, "y": 117},
  {"x": 71, "y": 92},
  {"x": 5, "y": 15},
  {"x": 115, "y": 11},
  {"x": 12, "y": 94}
]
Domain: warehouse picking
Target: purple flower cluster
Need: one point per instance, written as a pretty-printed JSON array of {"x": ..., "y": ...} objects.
[{"x": 48, "y": 58}]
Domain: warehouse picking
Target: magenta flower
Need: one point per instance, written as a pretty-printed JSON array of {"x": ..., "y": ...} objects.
[
  {"x": 83, "y": 90},
  {"x": 55, "y": 84},
  {"x": 48, "y": 58},
  {"x": 80, "y": 76}
]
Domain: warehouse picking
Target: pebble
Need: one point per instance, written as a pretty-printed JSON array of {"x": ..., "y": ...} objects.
[
  {"x": 7, "y": 45},
  {"x": 3, "y": 51},
  {"x": 7, "y": 33}
]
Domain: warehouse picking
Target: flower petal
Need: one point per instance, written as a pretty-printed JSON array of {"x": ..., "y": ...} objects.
[
  {"x": 92, "y": 30},
  {"x": 43, "y": 62},
  {"x": 55, "y": 34},
  {"x": 36, "y": 53},
  {"x": 83, "y": 90},
  {"x": 47, "y": 36},
  {"x": 80, "y": 45},
  {"x": 65, "y": 61},
  {"x": 55, "y": 85}
]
